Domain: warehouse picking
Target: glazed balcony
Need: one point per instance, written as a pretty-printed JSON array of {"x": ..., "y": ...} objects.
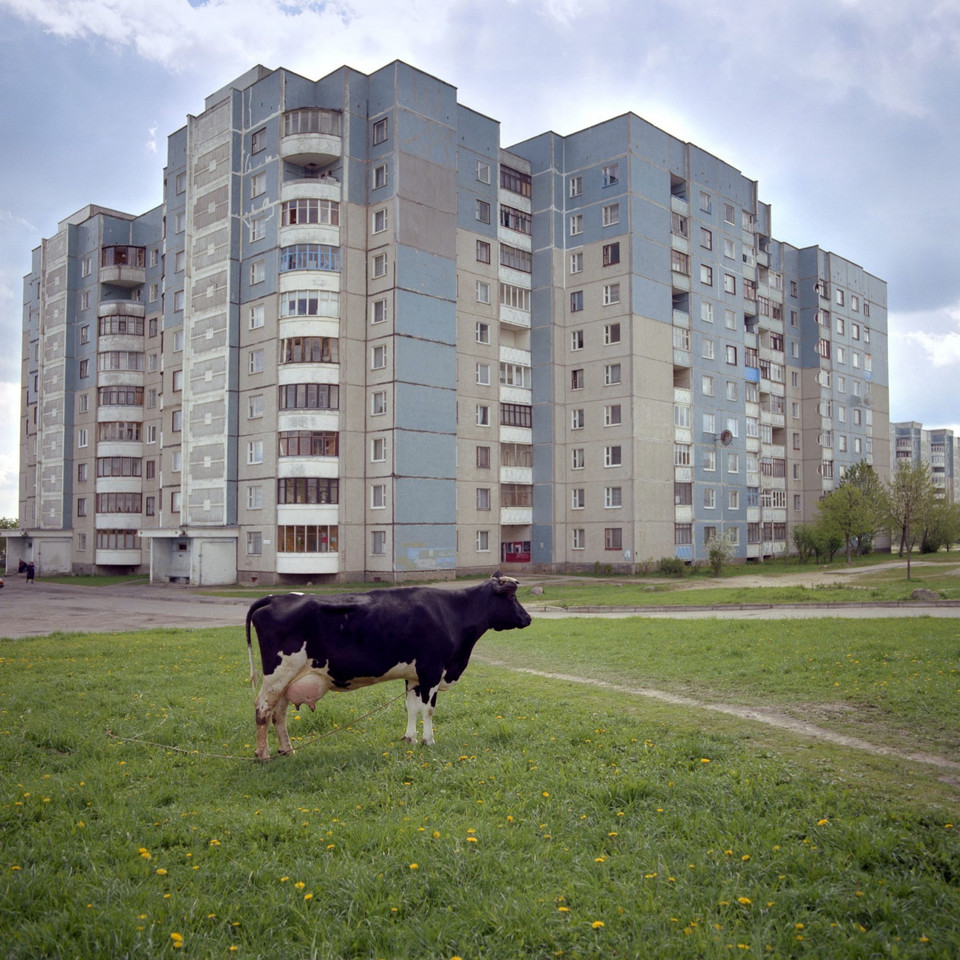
[
  {"x": 123, "y": 266},
  {"x": 311, "y": 137}
]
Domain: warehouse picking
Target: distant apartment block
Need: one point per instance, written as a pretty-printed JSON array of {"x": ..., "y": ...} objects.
[
  {"x": 938, "y": 448},
  {"x": 361, "y": 340}
]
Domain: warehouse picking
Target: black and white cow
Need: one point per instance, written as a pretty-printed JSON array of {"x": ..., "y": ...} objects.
[{"x": 422, "y": 635}]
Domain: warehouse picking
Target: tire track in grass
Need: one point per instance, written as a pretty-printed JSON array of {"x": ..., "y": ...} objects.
[{"x": 772, "y": 718}]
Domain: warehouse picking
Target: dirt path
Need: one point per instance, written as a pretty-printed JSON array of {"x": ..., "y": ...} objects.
[{"x": 772, "y": 718}]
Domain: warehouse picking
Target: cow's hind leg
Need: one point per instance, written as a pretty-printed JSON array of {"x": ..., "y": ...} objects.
[
  {"x": 280, "y": 723},
  {"x": 264, "y": 713}
]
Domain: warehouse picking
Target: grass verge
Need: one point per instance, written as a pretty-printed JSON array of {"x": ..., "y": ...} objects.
[{"x": 550, "y": 820}]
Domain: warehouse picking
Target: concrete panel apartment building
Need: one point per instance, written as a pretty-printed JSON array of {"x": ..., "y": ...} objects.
[{"x": 360, "y": 340}]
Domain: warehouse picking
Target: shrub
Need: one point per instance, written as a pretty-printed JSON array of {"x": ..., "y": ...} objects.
[{"x": 671, "y": 567}]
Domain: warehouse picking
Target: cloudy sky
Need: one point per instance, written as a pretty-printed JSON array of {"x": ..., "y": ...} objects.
[{"x": 847, "y": 113}]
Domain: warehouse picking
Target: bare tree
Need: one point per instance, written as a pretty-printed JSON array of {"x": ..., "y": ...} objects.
[{"x": 909, "y": 499}]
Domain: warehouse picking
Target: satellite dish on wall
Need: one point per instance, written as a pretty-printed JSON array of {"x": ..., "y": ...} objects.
[{"x": 726, "y": 438}]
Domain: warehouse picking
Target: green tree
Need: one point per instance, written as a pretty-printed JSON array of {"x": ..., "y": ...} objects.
[
  {"x": 857, "y": 508},
  {"x": 719, "y": 551},
  {"x": 941, "y": 526},
  {"x": 909, "y": 501},
  {"x": 6, "y": 523}
]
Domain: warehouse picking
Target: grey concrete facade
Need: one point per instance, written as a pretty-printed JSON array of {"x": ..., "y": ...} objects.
[{"x": 362, "y": 340}]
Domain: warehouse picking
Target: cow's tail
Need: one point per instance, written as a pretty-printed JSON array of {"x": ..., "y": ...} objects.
[{"x": 254, "y": 607}]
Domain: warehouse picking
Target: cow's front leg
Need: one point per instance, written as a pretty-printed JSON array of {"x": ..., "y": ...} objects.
[
  {"x": 426, "y": 711},
  {"x": 413, "y": 707},
  {"x": 280, "y": 723}
]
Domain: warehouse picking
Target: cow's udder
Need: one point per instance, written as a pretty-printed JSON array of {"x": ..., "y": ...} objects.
[{"x": 307, "y": 690}]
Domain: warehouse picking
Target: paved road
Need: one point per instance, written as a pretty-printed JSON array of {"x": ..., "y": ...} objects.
[{"x": 43, "y": 608}]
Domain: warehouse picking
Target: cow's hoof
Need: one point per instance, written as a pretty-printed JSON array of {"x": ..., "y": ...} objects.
[
  {"x": 409, "y": 739},
  {"x": 428, "y": 743},
  {"x": 286, "y": 753}
]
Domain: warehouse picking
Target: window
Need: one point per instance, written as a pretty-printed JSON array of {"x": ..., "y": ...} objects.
[
  {"x": 380, "y": 130},
  {"x": 729, "y": 283},
  {"x": 611, "y": 333},
  {"x": 709, "y": 423},
  {"x": 256, "y": 316},
  {"x": 613, "y": 538},
  {"x": 483, "y": 374},
  {"x": 258, "y": 184},
  {"x": 379, "y": 265},
  {"x": 254, "y": 451},
  {"x": 576, "y": 262},
  {"x": 86, "y": 266},
  {"x": 378, "y": 310},
  {"x": 610, "y": 214},
  {"x": 378, "y": 403},
  {"x": 611, "y": 374},
  {"x": 483, "y": 541},
  {"x": 577, "y": 419},
  {"x": 379, "y": 220},
  {"x": 258, "y": 271},
  {"x": 577, "y": 459},
  {"x": 612, "y": 498},
  {"x": 483, "y": 171},
  {"x": 516, "y": 415},
  {"x": 483, "y": 415},
  {"x": 576, "y": 186},
  {"x": 706, "y": 311},
  {"x": 482, "y": 211},
  {"x": 679, "y": 226},
  {"x": 483, "y": 458},
  {"x": 612, "y": 456},
  {"x": 729, "y": 249},
  {"x": 733, "y": 463},
  {"x": 483, "y": 498},
  {"x": 729, "y": 214},
  {"x": 576, "y": 379},
  {"x": 378, "y": 543},
  {"x": 576, "y": 224},
  {"x": 611, "y": 293},
  {"x": 308, "y": 490},
  {"x": 709, "y": 498},
  {"x": 483, "y": 251},
  {"x": 378, "y": 357},
  {"x": 379, "y": 176},
  {"x": 576, "y": 301},
  {"x": 483, "y": 332},
  {"x": 578, "y": 499},
  {"x": 309, "y": 396},
  {"x": 255, "y": 497},
  {"x": 709, "y": 461},
  {"x": 177, "y": 381},
  {"x": 378, "y": 450},
  {"x": 706, "y": 275},
  {"x": 707, "y": 385},
  {"x": 84, "y": 368},
  {"x": 258, "y": 229},
  {"x": 255, "y": 361},
  {"x": 483, "y": 292},
  {"x": 307, "y": 538},
  {"x": 611, "y": 254},
  {"x": 576, "y": 339},
  {"x": 733, "y": 389},
  {"x": 706, "y": 238},
  {"x": 611, "y": 174},
  {"x": 515, "y": 181},
  {"x": 706, "y": 202},
  {"x": 178, "y": 300},
  {"x": 612, "y": 414},
  {"x": 254, "y": 543},
  {"x": 706, "y": 348},
  {"x": 731, "y": 352},
  {"x": 679, "y": 262}
]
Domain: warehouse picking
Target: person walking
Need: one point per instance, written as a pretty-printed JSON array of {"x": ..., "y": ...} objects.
[{"x": 31, "y": 570}]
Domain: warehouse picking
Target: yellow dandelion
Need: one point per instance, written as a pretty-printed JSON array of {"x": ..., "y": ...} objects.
[
  {"x": 161, "y": 872},
  {"x": 597, "y": 924},
  {"x": 563, "y": 909},
  {"x": 436, "y": 834},
  {"x": 308, "y": 896},
  {"x": 599, "y": 859},
  {"x": 746, "y": 901},
  {"x": 414, "y": 866},
  {"x": 299, "y": 884},
  {"x": 284, "y": 879},
  {"x": 472, "y": 840}
]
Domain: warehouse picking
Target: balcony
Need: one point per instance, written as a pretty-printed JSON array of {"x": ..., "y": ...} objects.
[
  {"x": 123, "y": 266},
  {"x": 311, "y": 137}
]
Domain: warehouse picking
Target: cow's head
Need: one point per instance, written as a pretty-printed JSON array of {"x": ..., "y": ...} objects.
[{"x": 506, "y": 613}]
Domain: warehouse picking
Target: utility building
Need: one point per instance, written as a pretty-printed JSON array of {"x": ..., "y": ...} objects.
[{"x": 362, "y": 340}]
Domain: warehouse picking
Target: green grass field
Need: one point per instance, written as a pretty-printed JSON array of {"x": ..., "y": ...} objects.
[{"x": 552, "y": 819}]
